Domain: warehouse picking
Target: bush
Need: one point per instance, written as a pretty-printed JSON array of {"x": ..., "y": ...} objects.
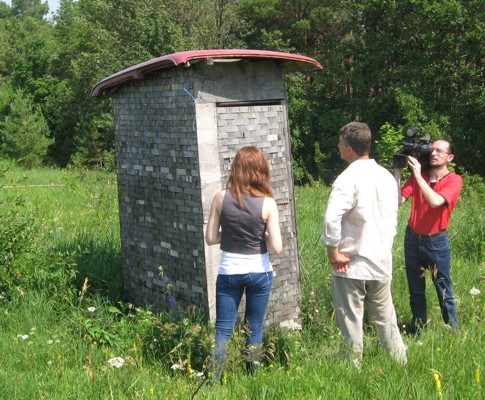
[{"x": 16, "y": 231}]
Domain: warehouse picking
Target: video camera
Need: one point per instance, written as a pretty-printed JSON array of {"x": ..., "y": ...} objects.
[{"x": 419, "y": 148}]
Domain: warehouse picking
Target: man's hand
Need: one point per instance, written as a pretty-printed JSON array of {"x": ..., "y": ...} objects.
[
  {"x": 415, "y": 166},
  {"x": 339, "y": 261}
]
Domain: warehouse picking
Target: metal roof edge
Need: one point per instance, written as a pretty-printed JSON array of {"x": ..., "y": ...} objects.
[{"x": 138, "y": 71}]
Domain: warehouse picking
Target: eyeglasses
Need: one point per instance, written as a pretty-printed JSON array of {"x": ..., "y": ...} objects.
[{"x": 440, "y": 151}]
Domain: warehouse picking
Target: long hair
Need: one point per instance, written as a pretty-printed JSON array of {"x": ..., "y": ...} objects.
[{"x": 249, "y": 174}]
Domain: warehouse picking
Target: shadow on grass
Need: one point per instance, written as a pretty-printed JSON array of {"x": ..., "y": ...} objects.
[{"x": 100, "y": 263}]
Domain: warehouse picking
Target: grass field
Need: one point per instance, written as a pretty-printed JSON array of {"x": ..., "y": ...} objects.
[{"x": 66, "y": 333}]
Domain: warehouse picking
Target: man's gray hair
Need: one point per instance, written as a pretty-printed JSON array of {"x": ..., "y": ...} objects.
[{"x": 357, "y": 135}]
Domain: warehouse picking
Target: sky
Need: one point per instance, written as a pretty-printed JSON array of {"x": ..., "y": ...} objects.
[{"x": 53, "y": 5}]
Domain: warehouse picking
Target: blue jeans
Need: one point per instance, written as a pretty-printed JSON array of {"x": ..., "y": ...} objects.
[
  {"x": 229, "y": 291},
  {"x": 431, "y": 253}
]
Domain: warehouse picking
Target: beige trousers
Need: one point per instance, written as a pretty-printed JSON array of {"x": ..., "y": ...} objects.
[{"x": 351, "y": 297}]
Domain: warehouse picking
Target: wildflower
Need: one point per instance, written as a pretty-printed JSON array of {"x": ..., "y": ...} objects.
[
  {"x": 177, "y": 367},
  {"x": 477, "y": 374},
  {"x": 91, "y": 309},
  {"x": 291, "y": 325},
  {"x": 474, "y": 291},
  {"x": 50, "y": 342},
  {"x": 24, "y": 337},
  {"x": 437, "y": 383},
  {"x": 152, "y": 391},
  {"x": 172, "y": 302},
  {"x": 312, "y": 295},
  {"x": 116, "y": 362}
]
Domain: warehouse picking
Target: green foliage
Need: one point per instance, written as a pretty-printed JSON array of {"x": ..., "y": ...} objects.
[
  {"x": 16, "y": 231},
  {"x": 387, "y": 146},
  {"x": 30, "y": 8},
  {"x": 469, "y": 219},
  {"x": 398, "y": 63},
  {"x": 24, "y": 134}
]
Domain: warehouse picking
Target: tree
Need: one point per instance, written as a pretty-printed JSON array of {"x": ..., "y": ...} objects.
[
  {"x": 24, "y": 134},
  {"x": 30, "y": 8},
  {"x": 97, "y": 38}
]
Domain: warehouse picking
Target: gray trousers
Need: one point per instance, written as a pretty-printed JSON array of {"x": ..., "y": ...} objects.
[{"x": 351, "y": 297}]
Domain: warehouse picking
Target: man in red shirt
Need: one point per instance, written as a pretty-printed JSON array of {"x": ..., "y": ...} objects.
[{"x": 426, "y": 246}]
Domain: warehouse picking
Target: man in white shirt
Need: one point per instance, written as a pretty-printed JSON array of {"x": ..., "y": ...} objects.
[{"x": 359, "y": 230}]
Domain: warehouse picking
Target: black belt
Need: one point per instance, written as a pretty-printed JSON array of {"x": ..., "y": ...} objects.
[{"x": 429, "y": 236}]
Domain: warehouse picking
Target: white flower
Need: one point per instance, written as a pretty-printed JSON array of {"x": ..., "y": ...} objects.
[
  {"x": 177, "y": 366},
  {"x": 91, "y": 309},
  {"x": 24, "y": 337},
  {"x": 116, "y": 362},
  {"x": 50, "y": 341},
  {"x": 474, "y": 291},
  {"x": 291, "y": 325}
]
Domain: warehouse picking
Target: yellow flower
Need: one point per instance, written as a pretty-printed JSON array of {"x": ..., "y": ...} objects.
[
  {"x": 477, "y": 374},
  {"x": 437, "y": 383},
  {"x": 152, "y": 391}
]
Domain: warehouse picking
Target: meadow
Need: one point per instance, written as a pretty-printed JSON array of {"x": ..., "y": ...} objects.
[{"x": 67, "y": 333}]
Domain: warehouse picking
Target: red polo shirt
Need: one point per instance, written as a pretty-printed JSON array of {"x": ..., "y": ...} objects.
[{"x": 424, "y": 219}]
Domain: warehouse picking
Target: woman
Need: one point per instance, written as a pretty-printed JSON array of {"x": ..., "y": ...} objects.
[{"x": 244, "y": 220}]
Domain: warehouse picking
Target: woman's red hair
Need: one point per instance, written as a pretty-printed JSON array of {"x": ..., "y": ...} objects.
[{"x": 250, "y": 174}]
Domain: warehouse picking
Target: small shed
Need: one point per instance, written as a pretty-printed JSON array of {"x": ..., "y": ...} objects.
[{"x": 179, "y": 121}]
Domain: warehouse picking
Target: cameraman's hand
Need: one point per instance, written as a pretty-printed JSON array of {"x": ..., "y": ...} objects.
[{"x": 414, "y": 165}]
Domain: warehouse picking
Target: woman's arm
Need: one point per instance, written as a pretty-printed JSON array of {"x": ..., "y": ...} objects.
[
  {"x": 213, "y": 232},
  {"x": 273, "y": 240}
]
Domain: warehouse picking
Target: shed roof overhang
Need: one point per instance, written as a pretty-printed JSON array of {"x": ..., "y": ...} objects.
[{"x": 291, "y": 62}]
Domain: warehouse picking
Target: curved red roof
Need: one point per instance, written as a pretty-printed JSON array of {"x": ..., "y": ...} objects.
[{"x": 293, "y": 61}]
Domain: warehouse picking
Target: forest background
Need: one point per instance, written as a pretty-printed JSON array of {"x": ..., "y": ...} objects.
[{"x": 391, "y": 64}]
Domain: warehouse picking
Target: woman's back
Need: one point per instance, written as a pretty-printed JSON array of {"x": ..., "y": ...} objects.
[{"x": 243, "y": 227}]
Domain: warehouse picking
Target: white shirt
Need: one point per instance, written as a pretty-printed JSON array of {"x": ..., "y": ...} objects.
[
  {"x": 361, "y": 220},
  {"x": 234, "y": 264}
]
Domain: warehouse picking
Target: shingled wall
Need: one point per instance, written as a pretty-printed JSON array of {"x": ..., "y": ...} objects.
[{"x": 177, "y": 131}]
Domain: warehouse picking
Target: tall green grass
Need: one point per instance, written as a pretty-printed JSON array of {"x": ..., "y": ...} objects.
[{"x": 63, "y": 316}]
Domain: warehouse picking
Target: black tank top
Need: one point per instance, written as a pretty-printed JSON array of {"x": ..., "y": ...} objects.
[{"x": 243, "y": 229}]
